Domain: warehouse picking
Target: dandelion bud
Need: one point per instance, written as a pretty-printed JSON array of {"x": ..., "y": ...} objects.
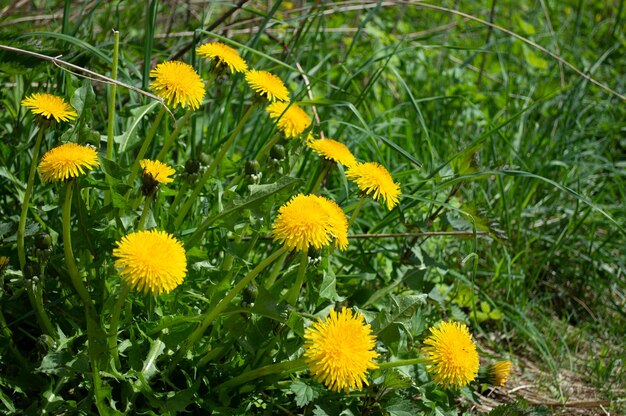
[
  {"x": 31, "y": 270},
  {"x": 277, "y": 153},
  {"x": 43, "y": 241},
  {"x": 192, "y": 166},
  {"x": 253, "y": 171}
]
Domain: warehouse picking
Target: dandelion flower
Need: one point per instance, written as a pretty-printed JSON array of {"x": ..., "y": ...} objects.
[
  {"x": 223, "y": 55},
  {"x": 333, "y": 150},
  {"x": 290, "y": 118},
  {"x": 498, "y": 373},
  {"x": 337, "y": 221},
  {"x": 158, "y": 171},
  {"x": 310, "y": 221},
  {"x": 264, "y": 83},
  {"x": 4, "y": 262},
  {"x": 49, "y": 106},
  {"x": 151, "y": 261},
  {"x": 67, "y": 161},
  {"x": 340, "y": 350},
  {"x": 451, "y": 355},
  {"x": 177, "y": 84},
  {"x": 373, "y": 179}
]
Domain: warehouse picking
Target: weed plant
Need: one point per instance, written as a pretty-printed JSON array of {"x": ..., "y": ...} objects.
[{"x": 315, "y": 208}]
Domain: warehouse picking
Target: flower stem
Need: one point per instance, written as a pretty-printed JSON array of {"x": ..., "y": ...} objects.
[
  {"x": 115, "y": 318},
  {"x": 219, "y": 308},
  {"x": 356, "y": 211},
  {"x": 72, "y": 269},
  {"x": 111, "y": 110},
  {"x": 40, "y": 311},
  {"x": 284, "y": 367},
  {"x": 144, "y": 213},
  {"x": 172, "y": 137},
  {"x": 292, "y": 295},
  {"x": 21, "y": 253},
  {"x": 144, "y": 147},
  {"x": 322, "y": 175},
  {"x": 90, "y": 311},
  {"x": 401, "y": 363},
  {"x": 271, "y": 279},
  {"x": 209, "y": 171}
]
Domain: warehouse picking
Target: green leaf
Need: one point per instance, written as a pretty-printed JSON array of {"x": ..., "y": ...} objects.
[
  {"x": 296, "y": 323},
  {"x": 328, "y": 289},
  {"x": 128, "y": 138},
  {"x": 401, "y": 407},
  {"x": 112, "y": 168},
  {"x": 526, "y": 27},
  {"x": 149, "y": 365},
  {"x": 304, "y": 393},
  {"x": 533, "y": 59}
]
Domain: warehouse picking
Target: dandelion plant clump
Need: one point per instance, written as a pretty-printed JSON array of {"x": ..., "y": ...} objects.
[{"x": 310, "y": 208}]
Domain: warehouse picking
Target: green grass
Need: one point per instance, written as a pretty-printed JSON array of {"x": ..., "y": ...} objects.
[{"x": 483, "y": 131}]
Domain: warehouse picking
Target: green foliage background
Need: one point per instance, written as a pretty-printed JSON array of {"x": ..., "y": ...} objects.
[{"x": 490, "y": 138}]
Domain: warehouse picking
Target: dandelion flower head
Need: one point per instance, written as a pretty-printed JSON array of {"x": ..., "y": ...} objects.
[
  {"x": 158, "y": 171},
  {"x": 49, "y": 106},
  {"x": 177, "y": 83},
  {"x": 290, "y": 118},
  {"x": 223, "y": 55},
  {"x": 498, "y": 373},
  {"x": 340, "y": 350},
  {"x": 310, "y": 220},
  {"x": 451, "y": 355},
  {"x": 151, "y": 261},
  {"x": 268, "y": 85},
  {"x": 67, "y": 161},
  {"x": 373, "y": 179},
  {"x": 333, "y": 150}
]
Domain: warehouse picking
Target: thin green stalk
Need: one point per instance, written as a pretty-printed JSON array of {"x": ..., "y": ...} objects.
[
  {"x": 219, "y": 308},
  {"x": 284, "y": 367},
  {"x": 292, "y": 295},
  {"x": 134, "y": 169},
  {"x": 356, "y": 211},
  {"x": 40, "y": 311},
  {"x": 90, "y": 310},
  {"x": 72, "y": 269},
  {"x": 322, "y": 175},
  {"x": 172, "y": 137},
  {"x": 144, "y": 213},
  {"x": 267, "y": 147},
  {"x": 112, "y": 93},
  {"x": 21, "y": 253},
  {"x": 209, "y": 171},
  {"x": 179, "y": 195},
  {"x": 401, "y": 363},
  {"x": 115, "y": 319},
  {"x": 271, "y": 279}
]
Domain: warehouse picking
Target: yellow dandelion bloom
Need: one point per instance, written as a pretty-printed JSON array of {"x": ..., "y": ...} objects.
[
  {"x": 177, "y": 84},
  {"x": 223, "y": 55},
  {"x": 333, "y": 150},
  {"x": 498, "y": 373},
  {"x": 451, "y": 355},
  {"x": 49, "y": 106},
  {"x": 268, "y": 85},
  {"x": 4, "y": 262},
  {"x": 158, "y": 171},
  {"x": 310, "y": 220},
  {"x": 290, "y": 118},
  {"x": 151, "y": 261},
  {"x": 337, "y": 220},
  {"x": 67, "y": 161},
  {"x": 373, "y": 179},
  {"x": 340, "y": 350}
]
